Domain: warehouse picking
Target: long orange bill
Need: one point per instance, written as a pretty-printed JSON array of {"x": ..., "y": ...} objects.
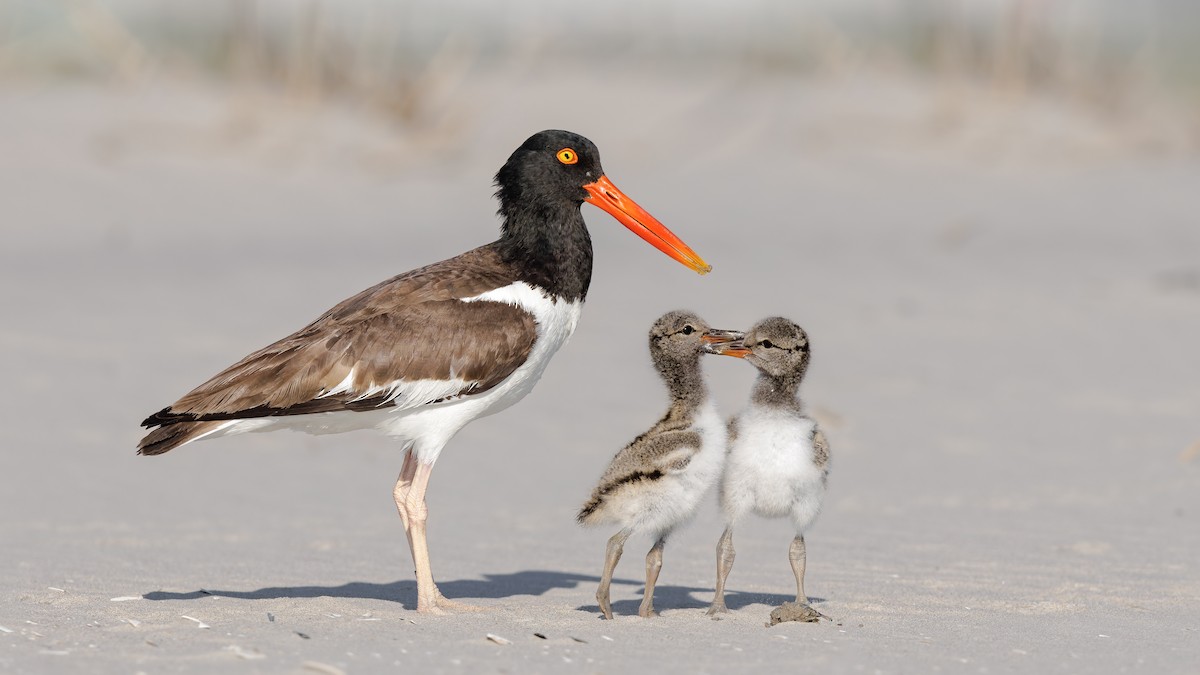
[{"x": 604, "y": 194}]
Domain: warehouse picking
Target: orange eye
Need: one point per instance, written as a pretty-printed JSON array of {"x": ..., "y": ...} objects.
[{"x": 567, "y": 156}]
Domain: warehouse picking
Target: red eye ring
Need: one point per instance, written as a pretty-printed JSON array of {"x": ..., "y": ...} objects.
[{"x": 567, "y": 156}]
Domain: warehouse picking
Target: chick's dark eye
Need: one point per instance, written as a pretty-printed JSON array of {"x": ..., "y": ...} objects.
[
  {"x": 688, "y": 330},
  {"x": 767, "y": 344}
]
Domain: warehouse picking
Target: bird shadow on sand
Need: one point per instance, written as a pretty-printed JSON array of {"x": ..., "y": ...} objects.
[
  {"x": 528, "y": 582},
  {"x": 684, "y": 597}
]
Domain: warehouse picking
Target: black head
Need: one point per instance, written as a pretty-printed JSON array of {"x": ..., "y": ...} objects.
[
  {"x": 544, "y": 182},
  {"x": 778, "y": 347},
  {"x": 550, "y": 167}
]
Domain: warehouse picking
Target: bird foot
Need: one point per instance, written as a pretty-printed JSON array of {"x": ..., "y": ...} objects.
[
  {"x": 459, "y": 607},
  {"x": 442, "y": 606},
  {"x": 717, "y": 608},
  {"x": 605, "y": 606},
  {"x": 431, "y": 610}
]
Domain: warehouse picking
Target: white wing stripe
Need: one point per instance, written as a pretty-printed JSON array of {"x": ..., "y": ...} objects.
[{"x": 404, "y": 393}]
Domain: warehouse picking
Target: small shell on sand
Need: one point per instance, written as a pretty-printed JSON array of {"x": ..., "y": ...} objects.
[{"x": 199, "y": 623}]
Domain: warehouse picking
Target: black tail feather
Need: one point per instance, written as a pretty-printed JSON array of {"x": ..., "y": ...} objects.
[{"x": 172, "y": 436}]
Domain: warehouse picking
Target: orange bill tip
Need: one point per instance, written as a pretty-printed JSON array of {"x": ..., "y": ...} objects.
[{"x": 735, "y": 352}]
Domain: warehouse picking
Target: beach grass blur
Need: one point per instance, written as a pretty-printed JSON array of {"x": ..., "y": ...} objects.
[{"x": 389, "y": 56}]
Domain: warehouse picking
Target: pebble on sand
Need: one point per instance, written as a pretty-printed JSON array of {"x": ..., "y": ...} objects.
[{"x": 795, "y": 611}]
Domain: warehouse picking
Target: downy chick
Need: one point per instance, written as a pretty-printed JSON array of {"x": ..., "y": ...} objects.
[
  {"x": 654, "y": 484},
  {"x": 778, "y": 462}
]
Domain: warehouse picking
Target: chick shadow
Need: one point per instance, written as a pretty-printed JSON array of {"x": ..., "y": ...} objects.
[
  {"x": 685, "y": 597},
  {"x": 529, "y": 582}
]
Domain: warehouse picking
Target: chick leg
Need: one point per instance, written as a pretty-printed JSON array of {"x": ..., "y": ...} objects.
[
  {"x": 796, "y": 554},
  {"x": 612, "y": 553},
  {"x": 725, "y": 556},
  {"x": 653, "y": 565}
]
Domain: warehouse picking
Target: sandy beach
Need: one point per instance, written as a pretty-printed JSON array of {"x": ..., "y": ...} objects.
[{"x": 1003, "y": 296}]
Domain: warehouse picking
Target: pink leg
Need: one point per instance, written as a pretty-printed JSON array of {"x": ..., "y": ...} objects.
[{"x": 410, "y": 502}]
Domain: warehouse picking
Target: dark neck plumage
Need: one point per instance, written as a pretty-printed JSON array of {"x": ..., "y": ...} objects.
[
  {"x": 548, "y": 245},
  {"x": 777, "y": 391},
  {"x": 685, "y": 383}
]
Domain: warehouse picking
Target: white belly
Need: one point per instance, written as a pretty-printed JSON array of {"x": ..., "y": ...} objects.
[{"x": 771, "y": 469}]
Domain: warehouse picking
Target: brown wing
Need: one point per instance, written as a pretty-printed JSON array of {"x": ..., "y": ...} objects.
[{"x": 401, "y": 342}]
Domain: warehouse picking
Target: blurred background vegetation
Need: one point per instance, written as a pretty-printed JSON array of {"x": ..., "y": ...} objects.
[{"x": 385, "y": 55}]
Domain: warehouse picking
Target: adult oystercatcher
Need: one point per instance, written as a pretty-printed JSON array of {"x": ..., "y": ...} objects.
[
  {"x": 424, "y": 353},
  {"x": 654, "y": 484},
  {"x": 778, "y": 463}
]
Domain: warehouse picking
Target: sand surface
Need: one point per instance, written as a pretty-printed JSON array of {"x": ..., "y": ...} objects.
[{"x": 1003, "y": 297}]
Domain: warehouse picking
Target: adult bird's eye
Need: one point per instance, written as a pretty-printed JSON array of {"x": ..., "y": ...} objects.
[
  {"x": 767, "y": 344},
  {"x": 688, "y": 330},
  {"x": 567, "y": 156}
]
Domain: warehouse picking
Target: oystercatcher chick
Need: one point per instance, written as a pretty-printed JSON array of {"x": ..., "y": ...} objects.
[
  {"x": 422, "y": 354},
  {"x": 778, "y": 463},
  {"x": 655, "y": 483}
]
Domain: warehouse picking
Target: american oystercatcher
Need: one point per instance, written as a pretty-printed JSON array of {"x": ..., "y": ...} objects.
[
  {"x": 422, "y": 354},
  {"x": 778, "y": 462},
  {"x": 655, "y": 483}
]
